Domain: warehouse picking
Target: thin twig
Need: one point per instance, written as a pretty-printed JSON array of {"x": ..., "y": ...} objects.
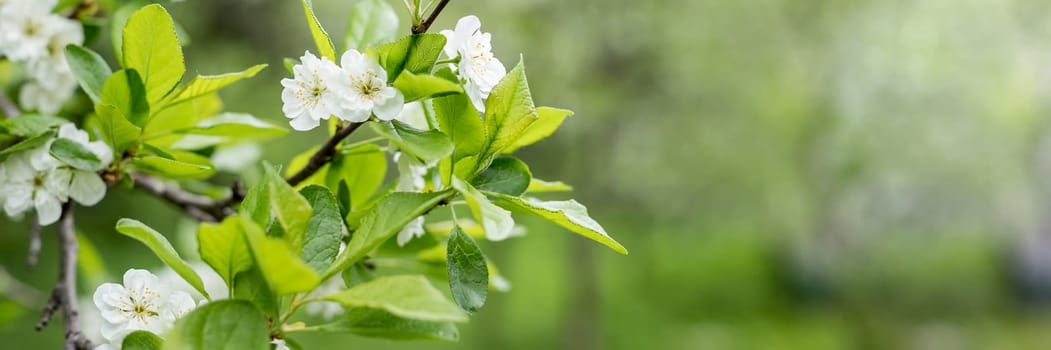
[
  {"x": 199, "y": 207},
  {"x": 64, "y": 296},
  {"x": 426, "y": 24},
  {"x": 34, "y": 244},
  {"x": 324, "y": 154}
]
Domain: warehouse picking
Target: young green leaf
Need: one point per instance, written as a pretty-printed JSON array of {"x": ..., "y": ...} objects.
[
  {"x": 75, "y": 154},
  {"x": 415, "y": 53},
  {"x": 206, "y": 84},
  {"x": 405, "y": 296},
  {"x": 362, "y": 168},
  {"x": 509, "y": 111},
  {"x": 89, "y": 68},
  {"x": 321, "y": 38},
  {"x": 117, "y": 131},
  {"x": 376, "y": 323},
  {"x": 236, "y": 126},
  {"x": 151, "y": 47},
  {"x": 251, "y": 286},
  {"x": 290, "y": 209},
  {"x": 324, "y": 230},
  {"x": 222, "y": 247},
  {"x": 458, "y": 119},
  {"x": 31, "y": 125},
  {"x": 427, "y": 145},
  {"x": 142, "y": 340},
  {"x": 223, "y": 324},
  {"x": 357, "y": 274},
  {"x": 537, "y": 186},
  {"x": 371, "y": 22},
  {"x": 497, "y": 222},
  {"x": 172, "y": 164},
  {"x": 468, "y": 273},
  {"x": 420, "y": 86},
  {"x": 280, "y": 266},
  {"x": 568, "y": 214},
  {"x": 383, "y": 220},
  {"x": 505, "y": 175},
  {"x": 125, "y": 90},
  {"x": 163, "y": 250},
  {"x": 548, "y": 121}
]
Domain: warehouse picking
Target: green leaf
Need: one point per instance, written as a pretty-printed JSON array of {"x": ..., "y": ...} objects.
[
  {"x": 125, "y": 90},
  {"x": 222, "y": 247},
  {"x": 428, "y": 146},
  {"x": 30, "y": 143},
  {"x": 181, "y": 116},
  {"x": 279, "y": 265},
  {"x": 415, "y": 53},
  {"x": 509, "y": 111},
  {"x": 290, "y": 209},
  {"x": 497, "y": 222},
  {"x": 371, "y": 22},
  {"x": 118, "y": 20},
  {"x": 362, "y": 168},
  {"x": 236, "y": 126},
  {"x": 382, "y": 222},
  {"x": 537, "y": 186},
  {"x": 324, "y": 230},
  {"x": 405, "y": 296},
  {"x": 250, "y": 285},
  {"x": 549, "y": 119},
  {"x": 151, "y": 47},
  {"x": 375, "y": 323},
  {"x": 223, "y": 324},
  {"x": 468, "y": 273},
  {"x": 89, "y": 68},
  {"x": 31, "y": 125},
  {"x": 206, "y": 84},
  {"x": 321, "y": 38},
  {"x": 458, "y": 119},
  {"x": 357, "y": 274},
  {"x": 418, "y": 87},
  {"x": 117, "y": 131},
  {"x": 568, "y": 214},
  {"x": 177, "y": 165},
  {"x": 163, "y": 250},
  {"x": 75, "y": 154},
  {"x": 505, "y": 175},
  {"x": 142, "y": 340}
]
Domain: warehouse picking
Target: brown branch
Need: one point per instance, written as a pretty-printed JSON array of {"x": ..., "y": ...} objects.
[
  {"x": 199, "y": 207},
  {"x": 324, "y": 154},
  {"x": 426, "y": 24},
  {"x": 64, "y": 296}
]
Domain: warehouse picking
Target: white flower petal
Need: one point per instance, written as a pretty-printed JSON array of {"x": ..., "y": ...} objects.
[
  {"x": 48, "y": 208},
  {"x": 304, "y": 123},
  {"x": 87, "y": 188},
  {"x": 390, "y": 107}
]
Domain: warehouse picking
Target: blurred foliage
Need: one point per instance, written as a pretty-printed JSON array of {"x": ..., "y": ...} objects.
[{"x": 814, "y": 174}]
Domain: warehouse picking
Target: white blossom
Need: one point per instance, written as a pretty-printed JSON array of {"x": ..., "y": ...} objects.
[
  {"x": 26, "y": 188},
  {"x": 24, "y": 31},
  {"x": 478, "y": 67},
  {"x": 280, "y": 344},
  {"x": 141, "y": 303},
  {"x": 307, "y": 97},
  {"x": 363, "y": 90}
]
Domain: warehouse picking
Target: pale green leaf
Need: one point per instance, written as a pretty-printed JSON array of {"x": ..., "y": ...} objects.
[
  {"x": 279, "y": 265},
  {"x": 125, "y": 90},
  {"x": 142, "y": 340},
  {"x": 371, "y": 22},
  {"x": 405, "y": 296},
  {"x": 31, "y": 125},
  {"x": 290, "y": 209},
  {"x": 321, "y": 38},
  {"x": 117, "y": 131},
  {"x": 415, "y": 53},
  {"x": 419, "y": 87},
  {"x": 509, "y": 111},
  {"x": 163, "y": 250},
  {"x": 376, "y": 323},
  {"x": 75, "y": 154},
  {"x": 151, "y": 47},
  {"x": 173, "y": 164},
  {"x": 537, "y": 186},
  {"x": 496, "y": 221},
  {"x": 89, "y": 68},
  {"x": 427, "y": 145},
  {"x": 222, "y": 247},
  {"x": 362, "y": 168},
  {"x": 568, "y": 214},
  {"x": 206, "y": 84},
  {"x": 548, "y": 120}
]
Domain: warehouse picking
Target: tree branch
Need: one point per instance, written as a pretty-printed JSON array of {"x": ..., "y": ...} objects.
[
  {"x": 64, "y": 296},
  {"x": 426, "y": 24},
  {"x": 324, "y": 154},
  {"x": 199, "y": 207}
]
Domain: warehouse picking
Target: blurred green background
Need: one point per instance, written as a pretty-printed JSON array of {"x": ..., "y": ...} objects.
[{"x": 787, "y": 174}]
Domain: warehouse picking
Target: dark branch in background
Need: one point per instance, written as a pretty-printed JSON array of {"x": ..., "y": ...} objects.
[
  {"x": 64, "y": 296},
  {"x": 324, "y": 154},
  {"x": 426, "y": 24},
  {"x": 199, "y": 207}
]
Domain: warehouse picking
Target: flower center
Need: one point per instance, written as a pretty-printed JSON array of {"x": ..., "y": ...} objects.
[
  {"x": 143, "y": 306},
  {"x": 368, "y": 85}
]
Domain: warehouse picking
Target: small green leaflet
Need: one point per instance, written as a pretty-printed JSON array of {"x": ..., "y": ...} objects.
[
  {"x": 505, "y": 175},
  {"x": 151, "y": 47},
  {"x": 75, "y": 154},
  {"x": 279, "y": 265},
  {"x": 568, "y": 214},
  {"x": 89, "y": 68},
  {"x": 222, "y": 247},
  {"x": 405, "y": 296},
  {"x": 206, "y": 84},
  {"x": 324, "y": 229},
  {"x": 548, "y": 120},
  {"x": 509, "y": 111},
  {"x": 141, "y": 340},
  {"x": 497, "y": 222},
  {"x": 418, "y": 87},
  {"x": 222, "y": 324},
  {"x": 427, "y": 145},
  {"x": 377, "y": 323},
  {"x": 321, "y": 38},
  {"x": 163, "y": 250}
]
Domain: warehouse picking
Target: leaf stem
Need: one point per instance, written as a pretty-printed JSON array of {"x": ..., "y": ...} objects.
[{"x": 422, "y": 27}]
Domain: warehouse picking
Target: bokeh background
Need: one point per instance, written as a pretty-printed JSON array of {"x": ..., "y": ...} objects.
[{"x": 788, "y": 174}]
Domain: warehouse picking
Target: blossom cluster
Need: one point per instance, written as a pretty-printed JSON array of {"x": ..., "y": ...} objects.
[
  {"x": 35, "y": 179},
  {"x": 34, "y": 36},
  {"x": 357, "y": 88},
  {"x": 143, "y": 303}
]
